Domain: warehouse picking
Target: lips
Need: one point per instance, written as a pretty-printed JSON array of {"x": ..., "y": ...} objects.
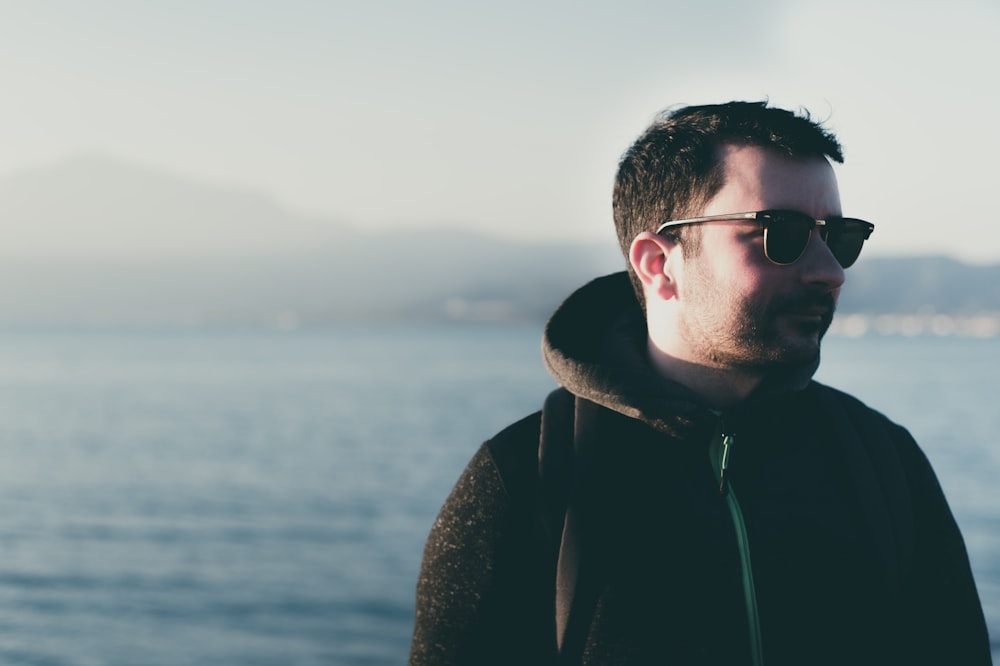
[
  {"x": 810, "y": 306},
  {"x": 812, "y": 312}
]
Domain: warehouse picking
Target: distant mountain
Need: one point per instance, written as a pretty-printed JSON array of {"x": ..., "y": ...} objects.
[
  {"x": 384, "y": 276},
  {"x": 98, "y": 242},
  {"x": 95, "y": 242},
  {"x": 902, "y": 285},
  {"x": 101, "y": 208}
]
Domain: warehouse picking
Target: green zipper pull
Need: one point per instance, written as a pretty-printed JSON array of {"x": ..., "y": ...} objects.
[{"x": 727, "y": 442}]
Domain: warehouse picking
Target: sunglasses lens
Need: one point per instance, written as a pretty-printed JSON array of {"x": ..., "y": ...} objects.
[
  {"x": 846, "y": 239},
  {"x": 786, "y": 235}
]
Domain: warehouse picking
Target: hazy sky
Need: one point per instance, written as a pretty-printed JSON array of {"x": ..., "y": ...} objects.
[{"x": 505, "y": 115}]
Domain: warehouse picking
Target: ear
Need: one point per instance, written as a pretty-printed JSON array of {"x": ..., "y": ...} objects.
[{"x": 653, "y": 258}]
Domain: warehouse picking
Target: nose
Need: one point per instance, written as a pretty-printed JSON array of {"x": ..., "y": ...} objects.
[{"x": 819, "y": 267}]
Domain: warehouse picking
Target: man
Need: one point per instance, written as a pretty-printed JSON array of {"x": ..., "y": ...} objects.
[{"x": 690, "y": 495}]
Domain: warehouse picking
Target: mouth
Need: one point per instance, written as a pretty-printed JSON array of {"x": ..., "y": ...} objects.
[
  {"x": 811, "y": 313},
  {"x": 809, "y": 308}
]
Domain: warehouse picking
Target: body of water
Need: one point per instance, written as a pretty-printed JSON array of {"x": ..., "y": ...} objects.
[{"x": 262, "y": 497}]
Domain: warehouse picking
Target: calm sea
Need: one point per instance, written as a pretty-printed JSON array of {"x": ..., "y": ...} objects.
[{"x": 262, "y": 497}]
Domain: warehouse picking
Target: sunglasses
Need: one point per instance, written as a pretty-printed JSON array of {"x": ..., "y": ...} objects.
[{"x": 787, "y": 232}]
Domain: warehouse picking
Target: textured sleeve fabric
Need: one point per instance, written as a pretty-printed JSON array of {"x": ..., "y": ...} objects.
[
  {"x": 944, "y": 623},
  {"x": 481, "y": 594}
]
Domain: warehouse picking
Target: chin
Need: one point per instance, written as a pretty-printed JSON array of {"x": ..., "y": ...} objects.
[
  {"x": 801, "y": 351},
  {"x": 794, "y": 349}
]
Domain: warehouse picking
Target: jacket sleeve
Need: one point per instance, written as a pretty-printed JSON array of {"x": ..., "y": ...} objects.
[
  {"x": 481, "y": 594},
  {"x": 943, "y": 614}
]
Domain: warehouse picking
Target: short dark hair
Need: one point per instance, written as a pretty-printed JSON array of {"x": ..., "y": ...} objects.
[{"x": 673, "y": 169}]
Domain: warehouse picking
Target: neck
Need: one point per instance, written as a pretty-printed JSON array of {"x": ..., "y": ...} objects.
[{"x": 719, "y": 386}]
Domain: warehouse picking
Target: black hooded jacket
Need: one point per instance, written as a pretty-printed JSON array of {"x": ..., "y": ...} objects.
[{"x": 599, "y": 531}]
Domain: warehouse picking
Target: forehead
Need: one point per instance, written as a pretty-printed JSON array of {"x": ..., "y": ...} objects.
[{"x": 758, "y": 178}]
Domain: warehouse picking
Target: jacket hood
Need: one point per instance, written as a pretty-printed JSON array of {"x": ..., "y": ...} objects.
[{"x": 595, "y": 346}]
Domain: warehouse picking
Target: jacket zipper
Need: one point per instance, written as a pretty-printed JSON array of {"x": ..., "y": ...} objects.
[{"x": 719, "y": 452}]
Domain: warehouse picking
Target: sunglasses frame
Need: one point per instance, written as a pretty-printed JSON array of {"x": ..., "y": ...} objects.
[{"x": 765, "y": 217}]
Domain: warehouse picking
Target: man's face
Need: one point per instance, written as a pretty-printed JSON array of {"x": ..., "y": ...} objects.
[{"x": 737, "y": 308}]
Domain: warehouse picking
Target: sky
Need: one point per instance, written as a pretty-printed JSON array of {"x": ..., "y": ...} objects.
[{"x": 507, "y": 117}]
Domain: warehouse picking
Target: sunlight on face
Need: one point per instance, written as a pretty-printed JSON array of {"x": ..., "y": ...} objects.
[{"x": 739, "y": 309}]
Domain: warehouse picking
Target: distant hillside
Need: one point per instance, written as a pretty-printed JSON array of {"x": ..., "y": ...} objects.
[
  {"x": 95, "y": 207},
  {"x": 95, "y": 242},
  {"x": 431, "y": 275},
  {"x": 98, "y": 242},
  {"x": 878, "y": 285},
  {"x": 428, "y": 276}
]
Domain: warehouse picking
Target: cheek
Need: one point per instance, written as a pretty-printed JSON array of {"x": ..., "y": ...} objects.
[
  {"x": 720, "y": 288},
  {"x": 735, "y": 249},
  {"x": 749, "y": 273},
  {"x": 732, "y": 267}
]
